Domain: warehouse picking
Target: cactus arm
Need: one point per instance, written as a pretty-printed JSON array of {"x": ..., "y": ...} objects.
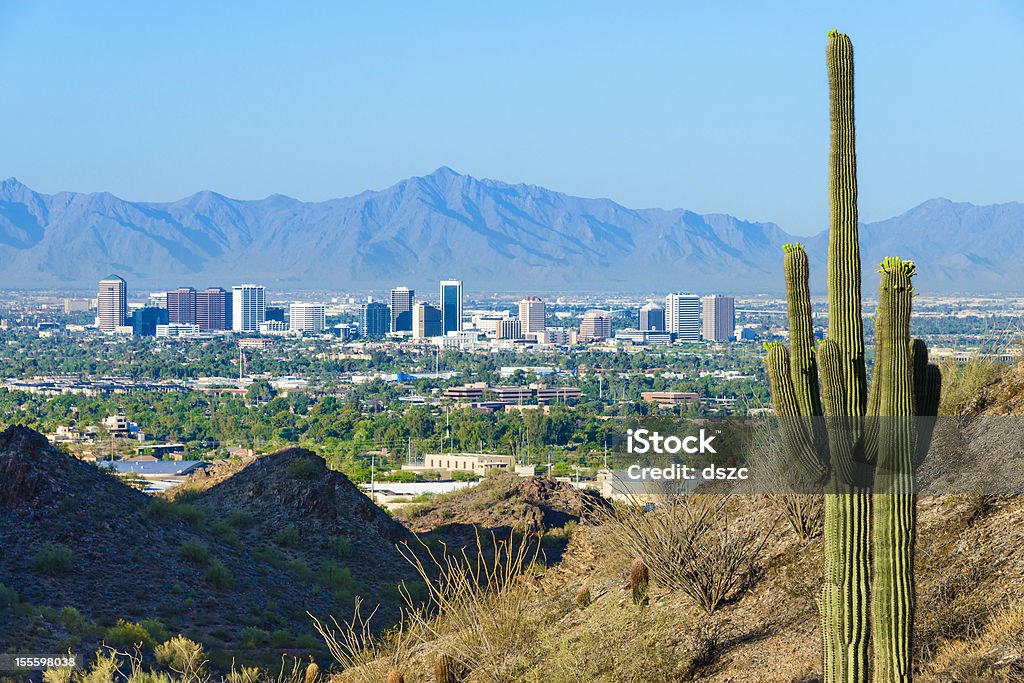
[
  {"x": 927, "y": 381},
  {"x": 846, "y": 326},
  {"x": 801, "y": 329},
  {"x": 797, "y": 429}
]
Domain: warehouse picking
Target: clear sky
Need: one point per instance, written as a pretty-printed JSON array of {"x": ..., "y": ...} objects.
[{"x": 709, "y": 106}]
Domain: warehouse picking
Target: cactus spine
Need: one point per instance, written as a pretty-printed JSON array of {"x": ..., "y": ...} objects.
[{"x": 844, "y": 451}]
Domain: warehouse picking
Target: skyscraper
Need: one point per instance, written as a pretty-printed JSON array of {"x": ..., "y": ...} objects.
[
  {"x": 682, "y": 316},
  {"x": 401, "y": 309},
  {"x": 718, "y": 317},
  {"x": 181, "y": 306},
  {"x": 248, "y": 307},
  {"x": 451, "y": 306},
  {"x": 112, "y": 303},
  {"x": 595, "y": 326},
  {"x": 509, "y": 328},
  {"x": 531, "y": 315},
  {"x": 212, "y": 309},
  {"x": 307, "y": 318},
  {"x": 652, "y": 318},
  {"x": 426, "y": 321},
  {"x": 374, "y": 319},
  {"x": 145, "y": 320}
]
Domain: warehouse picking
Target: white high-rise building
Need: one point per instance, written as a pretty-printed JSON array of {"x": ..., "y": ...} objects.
[
  {"x": 307, "y": 318},
  {"x": 112, "y": 303},
  {"x": 451, "y": 306},
  {"x": 682, "y": 316},
  {"x": 718, "y": 316},
  {"x": 531, "y": 315},
  {"x": 401, "y": 309},
  {"x": 248, "y": 307}
]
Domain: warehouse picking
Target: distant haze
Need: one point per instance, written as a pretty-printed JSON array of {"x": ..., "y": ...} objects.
[
  {"x": 493, "y": 235},
  {"x": 718, "y": 107}
]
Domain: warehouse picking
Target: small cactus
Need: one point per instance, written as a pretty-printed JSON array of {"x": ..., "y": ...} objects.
[
  {"x": 312, "y": 673},
  {"x": 583, "y": 598},
  {"x": 395, "y": 676},
  {"x": 447, "y": 669},
  {"x": 639, "y": 580}
]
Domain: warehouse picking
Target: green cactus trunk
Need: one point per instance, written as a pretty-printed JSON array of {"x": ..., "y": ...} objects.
[
  {"x": 894, "y": 505},
  {"x": 845, "y": 613}
]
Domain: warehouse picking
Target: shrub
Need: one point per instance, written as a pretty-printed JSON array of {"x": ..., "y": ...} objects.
[
  {"x": 8, "y": 597},
  {"x": 252, "y": 637},
  {"x": 225, "y": 532},
  {"x": 247, "y": 674},
  {"x": 163, "y": 510},
  {"x": 195, "y": 552},
  {"x": 72, "y": 620},
  {"x": 335, "y": 576},
  {"x": 54, "y": 559},
  {"x": 287, "y": 536},
  {"x": 340, "y": 546},
  {"x": 300, "y": 569},
  {"x": 156, "y": 630},
  {"x": 240, "y": 519},
  {"x": 183, "y": 656},
  {"x": 692, "y": 545},
  {"x": 304, "y": 468},
  {"x": 127, "y": 635},
  {"x": 218, "y": 575},
  {"x": 281, "y": 639}
]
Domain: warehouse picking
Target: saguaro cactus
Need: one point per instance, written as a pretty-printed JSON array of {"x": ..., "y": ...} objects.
[{"x": 821, "y": 397}]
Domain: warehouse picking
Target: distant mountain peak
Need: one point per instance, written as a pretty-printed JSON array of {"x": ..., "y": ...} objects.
[{"x": 491, "y": 234}]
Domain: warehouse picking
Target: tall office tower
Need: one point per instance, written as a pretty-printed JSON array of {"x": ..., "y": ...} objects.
[
  {"x": 401, "y": 309},
  {"x": 374, "y": 319},
  {"x": 718, "y": 317},
  {"x": 652, "y": 318},
  {"x": 181, "y": 306},
  {"x": 682, "y": 316},
  {"x": 451, "y": 306},
  {"x": 307, "y": 318},
  {"x": 248, "y": 307},
  {"x": 212, "y": 309},
  {"x": 531, "y": 315},
  {"x": 509, "y": 328},
  {"x": 426, "y": 321},
  {"x": 112, "y": 303},
  {"x": 595, "y": 326}
]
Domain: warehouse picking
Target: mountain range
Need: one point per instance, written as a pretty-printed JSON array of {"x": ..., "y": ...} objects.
[{"x": 493, "y": 235}]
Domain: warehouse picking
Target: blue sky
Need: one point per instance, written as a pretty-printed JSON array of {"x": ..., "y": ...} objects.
[{"x": 709, "y": 106}]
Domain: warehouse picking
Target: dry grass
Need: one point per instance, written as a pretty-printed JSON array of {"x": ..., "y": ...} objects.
[
  {"x": 996, "y": 657},
  {"x": 480, "y": 607},
  {"x": 364, "y": 657}
]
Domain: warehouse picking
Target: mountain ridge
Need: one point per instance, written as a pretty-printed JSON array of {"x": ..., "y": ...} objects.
[{"x": 492, "y": 234}]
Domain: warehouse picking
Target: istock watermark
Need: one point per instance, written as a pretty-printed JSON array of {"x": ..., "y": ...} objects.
[{"x": 642, "y": 441}]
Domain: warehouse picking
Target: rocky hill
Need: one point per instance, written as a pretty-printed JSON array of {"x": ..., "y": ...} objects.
[
  {"x": 502, "y": 504},
  {"x": 236, "y": 567}
]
